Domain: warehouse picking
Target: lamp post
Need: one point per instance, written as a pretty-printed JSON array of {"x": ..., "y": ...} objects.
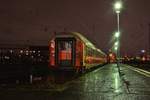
[{"x": 117, "y": 8}]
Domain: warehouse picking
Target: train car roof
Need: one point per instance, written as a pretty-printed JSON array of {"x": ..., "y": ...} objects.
[
  {"x": 84, "y": 39},
  {"x": 80, "y": 36},
  {"x": 87, "y": 42},
  {"x": 77, "y": 35}
]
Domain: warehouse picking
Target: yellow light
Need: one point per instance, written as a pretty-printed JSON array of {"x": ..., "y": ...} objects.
[
  {"x": 110, "y": 55},
  {"x": 21, "y": 51},
  {"x": 143, "y": 58}
]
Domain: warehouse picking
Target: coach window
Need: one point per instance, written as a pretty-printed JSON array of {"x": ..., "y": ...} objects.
[
  {"x": 87, "y": 51},
  {"x": 93, "y": 52}
]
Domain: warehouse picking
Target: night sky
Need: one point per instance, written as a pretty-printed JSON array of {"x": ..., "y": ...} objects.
[{"x": 34, "y": 21}]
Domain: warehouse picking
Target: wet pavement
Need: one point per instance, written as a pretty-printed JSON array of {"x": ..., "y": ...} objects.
[{"x": 104, "y": 83}]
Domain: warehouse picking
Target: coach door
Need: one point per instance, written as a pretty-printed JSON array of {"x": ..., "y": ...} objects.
[{"x": 65, "y": 51}]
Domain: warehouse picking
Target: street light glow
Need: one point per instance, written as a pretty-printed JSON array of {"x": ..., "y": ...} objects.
[
  {"x": 118, "y": 6},
  {"x": 116, "y": 43},
  {"x": 143, "y": 51},
  {"x": 117, "y": 34},
  {"x": 116, "y": 48}
]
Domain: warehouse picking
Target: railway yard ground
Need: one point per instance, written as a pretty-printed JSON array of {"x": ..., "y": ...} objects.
[{"x": 103, "y": 83}]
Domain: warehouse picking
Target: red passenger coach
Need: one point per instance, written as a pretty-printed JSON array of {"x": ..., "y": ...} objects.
[{"x": 72, "y": 51}]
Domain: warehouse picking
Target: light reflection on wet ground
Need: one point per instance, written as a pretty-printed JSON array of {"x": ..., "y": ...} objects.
[
  {"x": 104, "y": 83},
  {"x": 60, "y": 77}
]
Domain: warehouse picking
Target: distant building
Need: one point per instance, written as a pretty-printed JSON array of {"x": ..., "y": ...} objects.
[{"x": 22, "y": 53}]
